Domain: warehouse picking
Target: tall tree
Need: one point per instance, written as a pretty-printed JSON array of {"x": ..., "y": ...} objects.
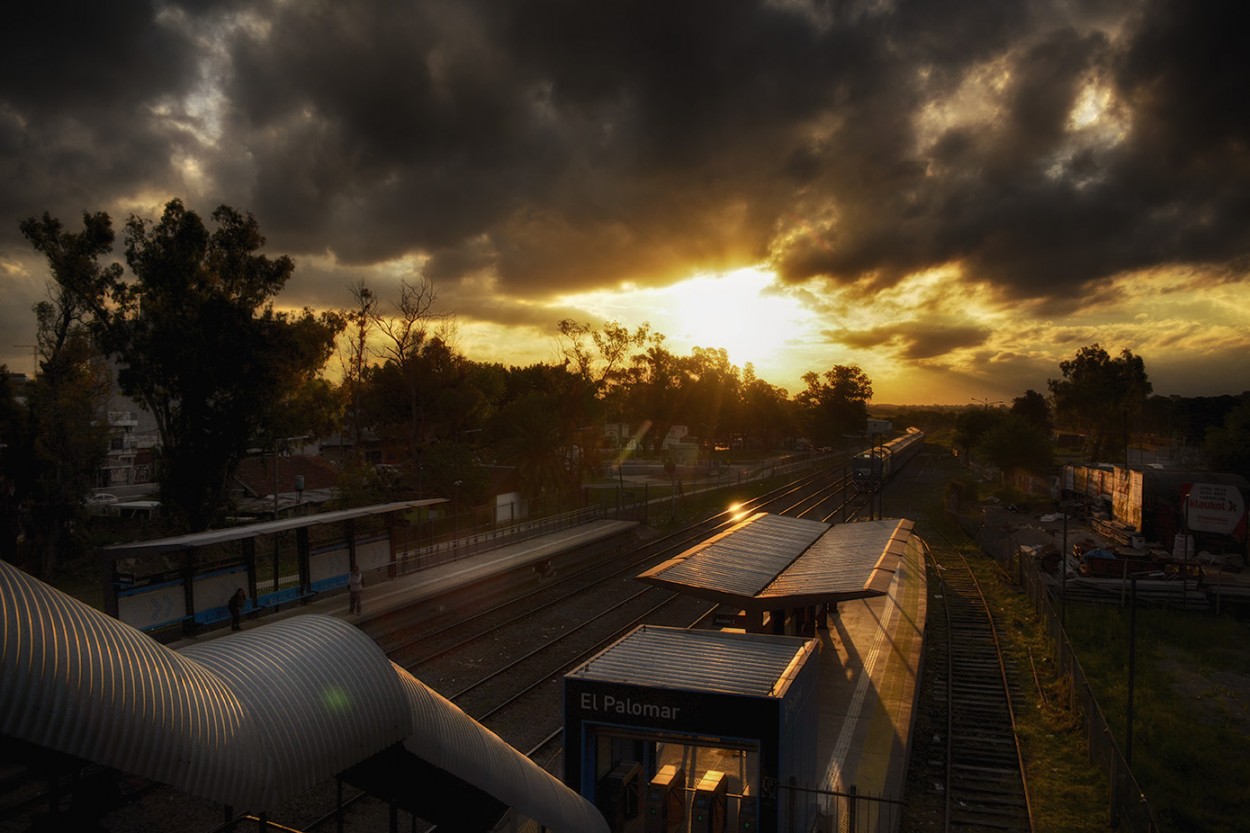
[
  {"x": 16, "y": 467},
  {"x": 606, "y": 358},
  {"x": 767, "y": 413},
  {"x": 657, "y": 385},
  {"x": 361, "y": 320},
  {"x": 69, "y": 399},
  {"x": 1101, "y": 395},
  {"x": 1228, "y": 445},
  {"x": 835, "y": 403},
  {"x": 430, "y": 397},
  {"x": 1013, "y": 442},
  {"x": 199, "y": 344},
  {"x": 1033, "y": 408},
  {"x": 714, "y": 393},
  {"x": 973, "y": 424}
]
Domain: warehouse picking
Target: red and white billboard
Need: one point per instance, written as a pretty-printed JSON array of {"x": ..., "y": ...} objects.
[{"x": 1214, "y": 507}]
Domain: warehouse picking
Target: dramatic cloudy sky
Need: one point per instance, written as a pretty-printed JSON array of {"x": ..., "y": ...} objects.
[{"x": 955, "y": 195}]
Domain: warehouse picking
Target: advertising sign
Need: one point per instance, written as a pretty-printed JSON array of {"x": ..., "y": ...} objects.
[
  {"x": 879, "y": 426},
  {"x": 1212, "y": 507}
]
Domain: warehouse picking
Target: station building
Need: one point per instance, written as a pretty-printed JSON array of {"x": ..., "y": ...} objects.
[{"x": 701, "y": 730}]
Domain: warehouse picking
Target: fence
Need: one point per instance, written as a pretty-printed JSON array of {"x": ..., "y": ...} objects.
[
  {"x": 474, "y": 538},
  {"x": 845, "y": 812},
  {"x": 1127, "y": 804}
]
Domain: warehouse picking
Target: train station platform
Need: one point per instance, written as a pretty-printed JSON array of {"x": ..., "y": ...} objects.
[
  {"x": 384, "y": 595},
  {"x": 869, "y": 664},
  {"x": 869, "y": 675}
]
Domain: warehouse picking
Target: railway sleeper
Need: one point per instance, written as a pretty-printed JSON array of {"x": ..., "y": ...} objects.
[
  {"x": 974, "y": 818},
  {"x": 986, "y": 760},
  {"x": 1004, "y": 795}
]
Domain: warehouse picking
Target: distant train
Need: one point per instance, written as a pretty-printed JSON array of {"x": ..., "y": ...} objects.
[{"x": 875, "y": 466}]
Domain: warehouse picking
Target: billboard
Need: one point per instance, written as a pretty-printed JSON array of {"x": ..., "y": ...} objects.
[
  {"x": 880, "y": 426},
  {"x": 1214, "y": 507}
]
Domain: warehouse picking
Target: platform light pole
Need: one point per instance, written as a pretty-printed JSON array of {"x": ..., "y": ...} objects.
[{"x": 277, "y": 450}]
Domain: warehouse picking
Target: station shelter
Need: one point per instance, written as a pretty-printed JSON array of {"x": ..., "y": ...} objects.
[
  {"x": 674, "y": 730},
  {"x": 180, "y": 584}
]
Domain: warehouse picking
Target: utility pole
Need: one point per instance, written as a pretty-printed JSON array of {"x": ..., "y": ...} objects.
[{"x": 34, "y": 357}]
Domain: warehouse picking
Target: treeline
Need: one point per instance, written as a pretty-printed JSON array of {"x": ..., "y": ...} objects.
[
  {"x": 189, "y": 329},
  {"x": 1104, "y": 406}
]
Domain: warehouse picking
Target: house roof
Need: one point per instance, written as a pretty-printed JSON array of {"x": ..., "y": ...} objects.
[{"x": 257, "y": 475}]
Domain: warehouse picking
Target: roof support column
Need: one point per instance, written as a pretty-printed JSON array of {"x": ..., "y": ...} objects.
[
  {"x": 301, "y": 554},
  {"x": 249, "y": 562},
  {"x": 188, "y": 590}
]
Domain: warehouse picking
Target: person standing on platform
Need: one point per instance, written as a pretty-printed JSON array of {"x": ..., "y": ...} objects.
[
  {"x": 236, "y": 608},
  {"x": 355, "y": 590}
]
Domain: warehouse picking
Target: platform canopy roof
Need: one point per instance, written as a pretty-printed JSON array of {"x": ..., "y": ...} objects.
[
  {"x": 745, "y": 664},
  {"x": 770, "y": 562},
  {"x": 253, "y": 719},
  {"x": 224, "y": 535}
]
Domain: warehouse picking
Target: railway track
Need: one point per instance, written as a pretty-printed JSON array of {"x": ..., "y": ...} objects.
[
  {"x": 985, "y": 783},
  {"x": 412, "y": 639},
  {"x": 501, "y": 663}
]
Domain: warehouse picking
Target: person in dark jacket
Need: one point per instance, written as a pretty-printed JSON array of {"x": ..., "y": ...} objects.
[
  {"x": 355, "y": 590},
  {"x": 236, "y": 608}
]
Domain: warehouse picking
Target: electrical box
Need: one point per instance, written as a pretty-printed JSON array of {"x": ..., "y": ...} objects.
[
  {"x": 748, "y": 814},
  {"x": 666, "y": 800},
  {"x": 618, "y": 794},
  {"x": 707, "y": 810}
]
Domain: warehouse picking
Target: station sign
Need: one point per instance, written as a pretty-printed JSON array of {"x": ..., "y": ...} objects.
[{"x": 1214, "y": 507}]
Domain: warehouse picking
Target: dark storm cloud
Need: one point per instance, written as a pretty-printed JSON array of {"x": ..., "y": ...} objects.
[
  {"x": 408, "y": 132},
  {"x": 560, "y": 144},
  {"x": 76, "y": 85},
  {"x": 1002, "y": 199},
  {"x": 914, "y": 339}
]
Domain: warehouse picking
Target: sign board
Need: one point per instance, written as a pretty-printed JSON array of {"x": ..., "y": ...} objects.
[
  {"x": 879, "y": 426},
  {"x": 1212, "y": 507}
]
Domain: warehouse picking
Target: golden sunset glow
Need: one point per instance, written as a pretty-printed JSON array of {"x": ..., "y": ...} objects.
[
  {"x": 741, "y": 311},
  {"x": 956, "y": 228}
]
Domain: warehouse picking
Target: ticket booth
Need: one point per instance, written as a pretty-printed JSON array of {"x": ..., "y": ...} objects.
[{"x": 714, "y": 720}]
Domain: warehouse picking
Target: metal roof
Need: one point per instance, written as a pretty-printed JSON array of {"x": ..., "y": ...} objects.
[
  {"x": 772, "y": 561},
  {"x": 248, "y": 720},
  {"x": 724, "y": 662},
  {"x": 238, "y": 533}
]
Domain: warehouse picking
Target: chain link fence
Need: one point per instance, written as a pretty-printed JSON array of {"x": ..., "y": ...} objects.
[{"x": 1128, "y": 807}]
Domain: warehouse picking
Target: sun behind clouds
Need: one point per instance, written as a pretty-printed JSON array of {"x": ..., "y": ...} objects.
[{"x": 732, "y": 310}]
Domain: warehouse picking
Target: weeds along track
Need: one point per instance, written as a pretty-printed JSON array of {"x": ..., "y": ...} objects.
[{"x": 985, "y": 787}]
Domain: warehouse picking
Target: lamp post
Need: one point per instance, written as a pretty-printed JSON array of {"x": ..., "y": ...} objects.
[
  {"x": 1063, "y": 571},
  {"x": 1132, "y": 667},
  {"x": 1065, "y": 506},
  {"x": 277, "y": 449}
]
